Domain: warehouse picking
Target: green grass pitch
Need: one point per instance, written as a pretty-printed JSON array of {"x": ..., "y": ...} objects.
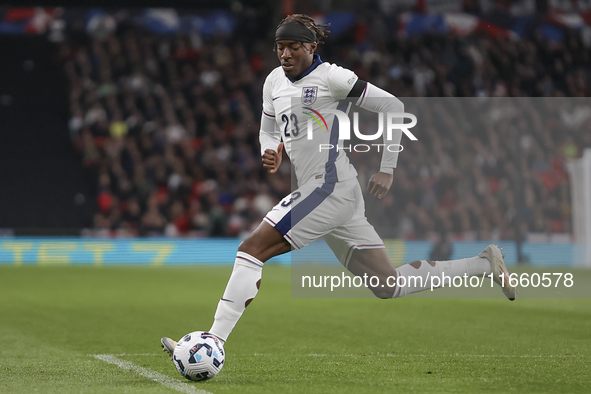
[{"x": 53, "y": 320}]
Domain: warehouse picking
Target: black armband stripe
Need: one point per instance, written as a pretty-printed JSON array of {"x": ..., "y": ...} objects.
[{"x": 357, "y": 90}]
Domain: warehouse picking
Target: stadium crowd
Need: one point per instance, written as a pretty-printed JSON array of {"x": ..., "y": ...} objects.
[{"x": 167, "y": 131}]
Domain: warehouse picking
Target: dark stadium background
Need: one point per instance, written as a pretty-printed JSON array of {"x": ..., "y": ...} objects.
[
  {"x": 98, "y": 263},
  {"x": 58, "y": 179}
]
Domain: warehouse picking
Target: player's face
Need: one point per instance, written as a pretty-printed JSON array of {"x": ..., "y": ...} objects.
[{"x": 295, "y": 57}]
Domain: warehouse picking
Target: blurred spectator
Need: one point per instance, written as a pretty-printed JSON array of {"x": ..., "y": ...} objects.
[
  {"x": 167, "y": 130},
  {"x": 443, "y": 249}
]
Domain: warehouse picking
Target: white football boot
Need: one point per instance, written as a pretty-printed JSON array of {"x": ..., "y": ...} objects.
[
  {"x": 168, "y": 345},
  {"x": 500, "y": 273}
]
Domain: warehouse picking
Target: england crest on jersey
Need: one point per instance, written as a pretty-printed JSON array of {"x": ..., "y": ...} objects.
[{"x": 309, "y": 95}]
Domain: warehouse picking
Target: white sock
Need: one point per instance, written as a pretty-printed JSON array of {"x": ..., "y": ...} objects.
[
  {"x": 242, "y": 287},
  {"x": 427, "y": 270}
]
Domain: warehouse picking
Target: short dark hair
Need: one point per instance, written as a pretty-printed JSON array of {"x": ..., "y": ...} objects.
[{"x": 318, "y": 30}]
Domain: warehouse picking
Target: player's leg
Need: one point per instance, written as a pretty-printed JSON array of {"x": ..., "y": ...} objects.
[
  {"x": 361, "y": 250},
  {"x": 285, "y": 227},
  {"x": 358, "y": 247},
  {"x": 374, "y": 262},
  {"x": 265, "y": 242},
  {"x": 423, "y": 274}
]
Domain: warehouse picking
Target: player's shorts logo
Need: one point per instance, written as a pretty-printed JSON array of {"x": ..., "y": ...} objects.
[{"x": 309, "y": 95}]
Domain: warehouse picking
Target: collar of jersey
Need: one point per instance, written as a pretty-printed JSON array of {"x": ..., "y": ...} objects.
[{"x": 315, "y": 63}]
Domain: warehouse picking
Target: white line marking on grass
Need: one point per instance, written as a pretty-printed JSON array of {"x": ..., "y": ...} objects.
[
  {"x": 434, "y": 355},
  {"x": 132, "y": 354},
  {"x": 489, "y": 355},
  {"x": 152, "y": 375},
  {"x": 138, "y": 354}
]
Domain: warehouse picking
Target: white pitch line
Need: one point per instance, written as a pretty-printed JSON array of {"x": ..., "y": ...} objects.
[
  {"x": 137, "y": 354},
  {"x": 393, "y": 355},
  {"x": 152, "y": 375},
  {"x": 490, "y": 355},
  {"x": 435, "y": 355}
]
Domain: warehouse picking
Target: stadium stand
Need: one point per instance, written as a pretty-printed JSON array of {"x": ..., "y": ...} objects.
[{"x": 167, "y": 131}]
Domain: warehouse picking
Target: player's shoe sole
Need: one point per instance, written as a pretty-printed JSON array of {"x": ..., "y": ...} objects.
[
  {"x": 500, "y": 273},
  {"x": 168, "y": 345}
]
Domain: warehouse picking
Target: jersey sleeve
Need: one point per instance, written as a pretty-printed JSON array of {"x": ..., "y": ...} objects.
[
  {"x": 268, "y": 108},
  {"x": 382, "y": 102},
  {"x": 269, "y": 133},
  {"x": 340, "y": 82}
]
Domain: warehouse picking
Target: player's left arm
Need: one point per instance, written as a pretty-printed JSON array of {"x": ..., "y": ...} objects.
[
  {"x": 374, "y": 99},
  {"x": 344, "y": 84}
]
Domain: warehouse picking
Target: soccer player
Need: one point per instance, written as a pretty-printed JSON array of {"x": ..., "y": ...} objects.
[{"x": 328, "y": 202}]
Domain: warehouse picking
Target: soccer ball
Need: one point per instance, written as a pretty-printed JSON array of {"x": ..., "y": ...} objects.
[{"x": 199, "y": 356}]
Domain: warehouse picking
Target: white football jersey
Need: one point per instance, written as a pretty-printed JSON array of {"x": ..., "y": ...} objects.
[{"x": 294, "y": 105}]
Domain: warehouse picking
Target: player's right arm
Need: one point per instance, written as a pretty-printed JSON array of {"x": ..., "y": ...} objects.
[{"x": 269, "y": 134}]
